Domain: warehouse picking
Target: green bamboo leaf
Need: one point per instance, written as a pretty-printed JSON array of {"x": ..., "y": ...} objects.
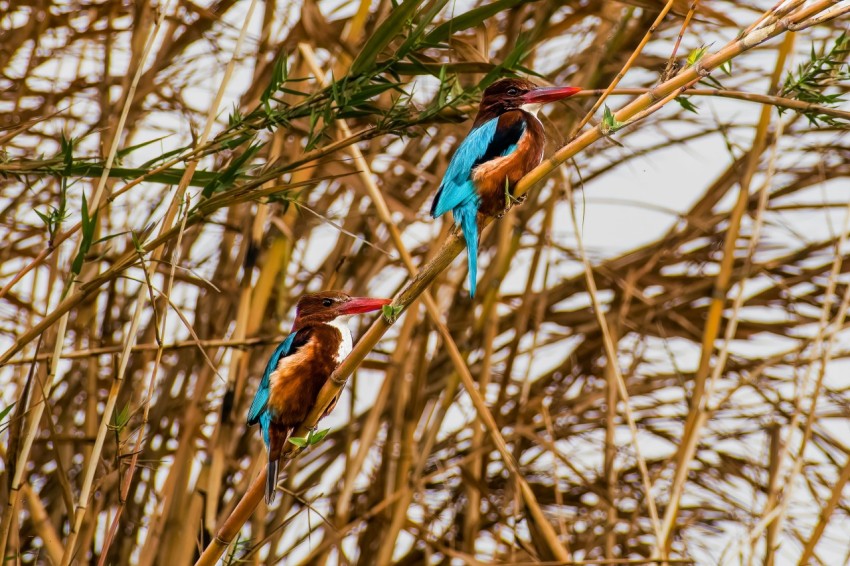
[
  {"x": 470, "y": 19},
  {"x": 44, "y": 217},
  {"x": 235, "y": 118},
  {"x": 298, "y": 441},
  {"x": 685, "y": 103},
  {"x": 279, "y": 76},
  {"x": 164, "y": 157},
  {"x": 127, "y": 150},
  {"x": 317, "y": 437},
  {"x": 67, "y": 149},
  {"x": 229, "y": 176},
  {"x": 121, "y": 418},
  {"x": 418, "y": 67},
  {"x": 610, "y": 124},
  {"x": 421, "y": 24},
  {"x": 110, "y": 236},
  {"x": 88, "y": 225},
  {"x": 389, "y": 29},
  {"x": 391, "y": 312},
  {"x": 6, "y": 411},
  {"x": 697, "y": 54},
  {"x": 517, "y": 54}
]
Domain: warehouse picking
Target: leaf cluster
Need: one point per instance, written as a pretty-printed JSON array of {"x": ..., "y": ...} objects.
[{"x": 813, "y": 78}]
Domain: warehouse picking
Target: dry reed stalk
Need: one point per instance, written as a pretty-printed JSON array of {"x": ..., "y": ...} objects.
[
  {"x": 23, "y": 456},
  {"x": 628, "y": 65},
  {"x": 721, "y": 288},
  {"x": 433, "y": 312},
  {"x": 613, "y": 366},
  {"x": 297, "y": 215}
]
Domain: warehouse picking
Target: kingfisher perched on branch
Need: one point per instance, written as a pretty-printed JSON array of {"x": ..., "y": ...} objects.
[
  {"x": 505, "y": 143},
  {"x": 300, "y": 366}
]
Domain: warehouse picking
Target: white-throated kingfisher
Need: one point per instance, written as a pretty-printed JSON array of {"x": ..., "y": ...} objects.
[
  {"x": 505, "y": 143},
  {"x": 300, "y": 366}
]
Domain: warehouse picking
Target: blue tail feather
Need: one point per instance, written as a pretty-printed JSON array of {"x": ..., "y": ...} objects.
[{"x": 466, "y": 215}]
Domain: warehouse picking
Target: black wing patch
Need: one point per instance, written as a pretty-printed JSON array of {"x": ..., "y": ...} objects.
[{"x": 509, "y": 130}]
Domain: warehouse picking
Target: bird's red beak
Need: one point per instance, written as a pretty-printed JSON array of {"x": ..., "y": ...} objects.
[
  {"x": 359, "y": 305},
  {"x": 542, "y": 95}
]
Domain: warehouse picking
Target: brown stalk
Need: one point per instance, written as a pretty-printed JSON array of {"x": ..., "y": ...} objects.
[
  {"x": 455, "y": 355},
  {"x": 23, "y": 457},
  {"x": 450, "y": 250},
  {"x": 399, "y": 470},
  {"x": 627, "y": 66},
  {"x": 721, "y": 287}
]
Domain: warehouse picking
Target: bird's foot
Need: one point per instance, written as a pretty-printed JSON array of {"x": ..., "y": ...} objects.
[
  {"x": 518, "y": 200},
  {"x": 510, "y": 202}
]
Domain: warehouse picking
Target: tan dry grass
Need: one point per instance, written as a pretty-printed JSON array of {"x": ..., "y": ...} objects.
[{"x": 144, "y": 433}]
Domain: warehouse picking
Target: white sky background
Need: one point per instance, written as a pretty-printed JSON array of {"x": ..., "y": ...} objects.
[{"x": 620, "y": 211}]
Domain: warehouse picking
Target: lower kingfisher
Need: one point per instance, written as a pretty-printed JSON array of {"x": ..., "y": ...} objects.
[
  {"x": 300, "y": 366},
  {"x": 505, "y": 143}
]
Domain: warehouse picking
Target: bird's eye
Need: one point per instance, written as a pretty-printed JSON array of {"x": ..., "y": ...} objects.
[
  {"x": 327, "y": 302},
  {"x": 513, "y": 91}
]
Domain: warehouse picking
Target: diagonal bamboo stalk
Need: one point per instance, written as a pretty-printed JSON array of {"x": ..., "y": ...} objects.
[
  {"x": 691, "y": 435},
  {"x": 613, "y": 366},
  {"x": 628, "y": 65},
  {"x": 167, "y": 224},
  {"x": 53, "y": 374},
  {"x": 454, "y": 352},
  {"x": 453, "y": 245}
]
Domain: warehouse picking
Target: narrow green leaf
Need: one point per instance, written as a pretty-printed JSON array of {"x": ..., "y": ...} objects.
[
  {"x": 279, "y": 76},
  {"x": 67, "y": 148},
  {"x": 298, "y": 441},
  {"x": 419, "y": 29},
  {"x": 87, "y": 229},
  {"x": 232, "y": 173},
  {"x": 120, "y": 419},
  {"x": 389, "y": 29},
  {"x": 391, "y": 312},
  {"x": 316, "y": 437},
  {"x": 697, "y": 54},
  {"x": 470, "y": 19},
  {"x": 109, "y": 237},
  {"x": 6, "y": 411},
  {"x": 127, "y": 150},
  {"x": 687, "y": 104},
  {"x": 610, "y": 124}
]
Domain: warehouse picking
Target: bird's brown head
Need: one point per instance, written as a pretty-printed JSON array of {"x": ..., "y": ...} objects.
[
  {"x": 326, "y": 306},
  {"x": 510, "y": 94}
]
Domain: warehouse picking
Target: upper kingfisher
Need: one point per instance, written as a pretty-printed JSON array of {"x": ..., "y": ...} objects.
[
  {"x": 505, "y": 143},
  {"x": 300, "y": 366}
]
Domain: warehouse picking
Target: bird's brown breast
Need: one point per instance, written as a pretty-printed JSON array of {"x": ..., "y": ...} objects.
[
  {"x": 295, "y": 384},
  {"x": 496, "y": 178}
]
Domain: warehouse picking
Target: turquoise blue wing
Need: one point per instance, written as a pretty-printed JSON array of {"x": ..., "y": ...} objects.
[
  {"x": 457, "y": 186},
  {"x": 492, "y": 139},
  {"x": 261, "y": 399}
]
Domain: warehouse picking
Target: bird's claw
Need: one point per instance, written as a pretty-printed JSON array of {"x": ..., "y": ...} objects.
[{"x": 511, "y": 201}]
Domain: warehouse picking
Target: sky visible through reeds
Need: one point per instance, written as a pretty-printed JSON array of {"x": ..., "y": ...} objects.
[{"x": 141, "y": 457}]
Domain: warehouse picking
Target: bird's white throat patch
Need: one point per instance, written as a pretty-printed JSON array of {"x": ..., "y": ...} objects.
[
  {"x": 532, "y": 108},
  {"x": 345, "y": 345}
]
